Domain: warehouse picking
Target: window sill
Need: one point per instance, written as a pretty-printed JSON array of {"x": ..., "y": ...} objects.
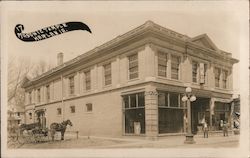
[
  {"x": 134, "y": 79},
  {"x": 221, "y": 89},
  {"x": 107, "y": 86},
  {"x": 169, "y": 79}
]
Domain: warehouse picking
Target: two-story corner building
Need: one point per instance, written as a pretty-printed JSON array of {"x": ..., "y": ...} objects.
[{"x": 134, "y": 84}]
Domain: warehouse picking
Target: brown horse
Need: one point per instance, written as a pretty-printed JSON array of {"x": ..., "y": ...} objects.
[{"x": 59, "y": 127}]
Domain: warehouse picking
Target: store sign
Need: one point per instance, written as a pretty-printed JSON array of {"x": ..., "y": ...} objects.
[
  {"x": 49, "y": 31},
  {"x": 202, "y": 73}
]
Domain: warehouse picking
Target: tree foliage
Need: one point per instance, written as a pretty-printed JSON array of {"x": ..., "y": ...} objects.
[{"x": 18, "y": 68}]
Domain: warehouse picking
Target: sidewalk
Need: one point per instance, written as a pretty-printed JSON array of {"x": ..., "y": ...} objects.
[{"x": 178, "y": 141}]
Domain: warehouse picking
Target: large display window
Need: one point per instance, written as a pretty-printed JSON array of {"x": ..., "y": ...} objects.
[
  {"x": 134, "y": 111},
  {"x": 170, "y": 112}
]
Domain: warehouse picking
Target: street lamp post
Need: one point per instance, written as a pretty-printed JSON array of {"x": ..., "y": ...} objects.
[{"x": 188, "y": 97}]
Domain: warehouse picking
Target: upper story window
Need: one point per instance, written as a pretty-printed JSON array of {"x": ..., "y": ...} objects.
[
  {"x": 194, "y": 71},
  {"x": 107, "y": 74},
  {"x": 203, "y": 73},
  {"x": 162, "y": 64},
  {"x": 133, "y": 66},
  {"x": 71, "y": 85},
  {"x": 217, "y": 73},
  {"x": 48, "y": 92},
  {"x": 30, "y": 97},
  {"x": 87, "y": 80},
  {"x": 134, "y": 100},
  {"x": 175, "y": 63},
  {"x": 72, "y": 109},
  {"x": 39, "y": 95},
  {"x": 224, "y": 78},
  {"x": 89, "y": 107}
]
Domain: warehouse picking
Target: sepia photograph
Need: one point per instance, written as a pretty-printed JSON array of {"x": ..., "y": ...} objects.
[{"x": 124, "y": 79}]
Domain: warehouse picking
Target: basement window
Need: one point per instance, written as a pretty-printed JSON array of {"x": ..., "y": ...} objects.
[
  {"x": 89, "y": 107},
  {"x": 72, "y": 109},
  {"x": 59, "y": 111}
]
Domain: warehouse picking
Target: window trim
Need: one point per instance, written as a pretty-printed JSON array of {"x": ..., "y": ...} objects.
[
  {"x": 105, "y": 75},
  {"x": 166, "y": 66},
  {"x": 39, "y": 95},
  {"x": 86, "y": 81},
  {"x": 70, "y": 86},
  {"x": 197, "y": 71},
  {"x": 179, "y": 66},
  {"x": 48, "y": 91},
  {"x": 128, "y": 66}
]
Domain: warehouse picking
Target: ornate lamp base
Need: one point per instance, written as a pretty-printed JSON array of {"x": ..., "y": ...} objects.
[{"x": 189, "y": 139}]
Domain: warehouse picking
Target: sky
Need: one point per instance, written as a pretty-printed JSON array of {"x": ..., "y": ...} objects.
[{"x": 225, "y": 22}]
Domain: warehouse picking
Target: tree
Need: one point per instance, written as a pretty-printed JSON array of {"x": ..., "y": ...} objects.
[{"x": 18, "y": 68}]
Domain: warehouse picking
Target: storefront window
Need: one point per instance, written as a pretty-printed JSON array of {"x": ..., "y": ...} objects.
[
  {"x": 134, "y": 111},
  {"x": 170, "y": 113},
  {"x": 221, "y": 113}
]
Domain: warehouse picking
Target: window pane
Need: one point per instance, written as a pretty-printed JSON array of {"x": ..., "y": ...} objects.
[
  {"x": 217, "y": 77},
  {"x": 162, "y": 99},
  {"x": 126, "y": 101},
  {"x": 133, "y": 66},
  {"x": 107, "y": 74},
  {"x": 170, "y": 120},
  {"x": 175, "y": 67},
  {"x": 133, "y": 100},
  {"x": 194, "y": 71},
  {"x": 71, "y": 85},
  {"x": 141, "y": 100},
  {"x": 38, "y": 95},
  {"x": 174, "y": 99},
  {"x": 87, "y": 80}
]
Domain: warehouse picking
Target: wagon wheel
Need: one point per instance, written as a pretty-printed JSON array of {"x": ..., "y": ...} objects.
[
  {"x": 37, "y": 138},
  {"x": 21, "y": 139}
]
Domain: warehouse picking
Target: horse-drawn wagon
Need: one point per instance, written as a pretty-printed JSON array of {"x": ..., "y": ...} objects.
[{"x": 35, "y": 133}]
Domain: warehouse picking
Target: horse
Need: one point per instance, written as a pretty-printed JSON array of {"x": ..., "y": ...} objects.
[{"x": 59, "y": 127}]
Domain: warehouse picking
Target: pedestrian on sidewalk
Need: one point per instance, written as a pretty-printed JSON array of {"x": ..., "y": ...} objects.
[
  {"x": 225, "y": 129},
  {"x": 205, "y": 129}
]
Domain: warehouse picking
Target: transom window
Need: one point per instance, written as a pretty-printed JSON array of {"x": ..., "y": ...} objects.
[
  {"x": 107, "y": 74},
  {"x": 134, "y": 100},
  {"x": 169, "y": 99},
  {"x": 175, "y": 62},
  {"x": 133, "y": 66},
  {"x": 71, "y": 85},
  {"x": 162, "y": 64},
  {"x": 87, "y": 80}
]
